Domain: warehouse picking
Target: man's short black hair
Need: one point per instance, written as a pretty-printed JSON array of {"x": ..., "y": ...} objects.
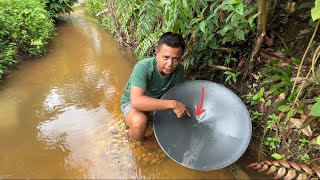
[{"x": 173, "y": 40}]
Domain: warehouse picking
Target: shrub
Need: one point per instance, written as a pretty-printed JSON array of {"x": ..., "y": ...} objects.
[
  {"x": 94, "y": 6},
  {"x": 215, "y": 31},
  {"x": 25, "y": 28},
  {"x": 55, "y": 7}
]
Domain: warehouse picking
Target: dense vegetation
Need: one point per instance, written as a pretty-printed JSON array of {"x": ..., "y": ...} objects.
[
  {"x": 26, "y": 27},
  {"x": 55, "y": 7},
  {"x": 255, "y": 48}
]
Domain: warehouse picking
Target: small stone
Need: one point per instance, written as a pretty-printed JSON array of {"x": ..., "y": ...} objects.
[
  {"x": 114, "y": 131},
  {"x": 146, "y": 159}
]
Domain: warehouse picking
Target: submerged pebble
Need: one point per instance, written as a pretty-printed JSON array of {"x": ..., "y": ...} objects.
[{"x": 114, "y": 131}]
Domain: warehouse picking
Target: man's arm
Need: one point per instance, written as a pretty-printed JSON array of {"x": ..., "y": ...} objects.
[{"x": 142, "y": 102}]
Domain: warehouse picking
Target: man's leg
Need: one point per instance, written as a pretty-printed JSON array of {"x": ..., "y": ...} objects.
[{"x": 137, "y": 122}]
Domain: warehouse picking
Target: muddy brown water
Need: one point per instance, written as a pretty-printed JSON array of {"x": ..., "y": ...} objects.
[{"x": 60, "y": 115}]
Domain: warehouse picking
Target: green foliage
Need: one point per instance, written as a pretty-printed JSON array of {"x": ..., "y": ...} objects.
[
  {"x": 55, "y": 7},
  {"x": 25, "y": 28},
  {"x": 278, "y": 156},
  {"x": 255, "y": 115},
  {"x": 257, "y": 98},
  {"x": 303, "y": 143},
  {"x": 272, "y": 142},
  {"x": 207, "y": 26},
  {"x": 315, "y": 12},
  {"x": 272, "y": 119},
  {"x": 231, "y": 76},
  {"x": 305, "y": 158},
  {"x": 315, "y": 110},
  {"x": 279, "y": 77},
  {"x": 94, "y": 6}
]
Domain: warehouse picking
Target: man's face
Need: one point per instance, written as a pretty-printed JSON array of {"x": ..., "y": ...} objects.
[{"x": 168, "y": 59}]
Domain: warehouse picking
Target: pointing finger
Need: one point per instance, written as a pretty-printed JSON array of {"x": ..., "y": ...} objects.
[{"x": 188, "y": 113}]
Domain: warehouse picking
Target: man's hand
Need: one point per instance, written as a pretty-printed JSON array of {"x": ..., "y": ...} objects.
[{"x": 180, "y": 109}]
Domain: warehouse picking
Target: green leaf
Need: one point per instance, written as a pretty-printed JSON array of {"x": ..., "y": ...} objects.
[
  {"x": 307, "y": 5},
  {"x": 277, "y": 156},
  {"x": 273, "y": 62},
  {"x": 284, "y": 108},
  {"x": 315, "y": 110},
  {"x": 239, "y": 8},
  {"x": 315, "y": 12},
  {"x": 288, "y": 52},
  {"x": 250, "y": 20},
  {"x": 194, "y": 21},
  {"x": 203, "y": 26},
  {"x": 291, "y": 97},
  {"x": 273, "y": 69},
  {"x": 295, "y": 60},
  {"x": 271, "y": 79},
  {"x": 187, "y": 9},
  {"x": 318, "y": 140},
  {"x": 276, "y": 87},
  {"x": 228, "y": 78},
  {"x": 291, "y": 113},
  {"x": 239, "y": 34}
]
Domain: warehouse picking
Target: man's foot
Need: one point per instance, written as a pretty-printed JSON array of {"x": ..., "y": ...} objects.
[{"x": 150, "y": 143}]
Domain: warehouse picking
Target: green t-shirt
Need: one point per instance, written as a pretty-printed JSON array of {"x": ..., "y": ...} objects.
[{"x": 146, "y": 76}]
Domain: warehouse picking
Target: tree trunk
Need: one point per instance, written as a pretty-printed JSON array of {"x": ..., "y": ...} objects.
[{"x": 264, "y": 10}]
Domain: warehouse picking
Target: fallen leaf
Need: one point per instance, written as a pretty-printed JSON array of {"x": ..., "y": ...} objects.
[
  {"x": 305, "y": 31},
  {"x": 267, "y": 162},
  {"x": 252, "y": 165},
  {"x": 276, "y": 163},
  {"x": 258, "y": 166},
  {"x": 271, "y": 170},
  {"x": 280, "y": 173},
  {"x": 291, "y": 6},
  {"x": 261, "y": 107},
  {"x": 317, "y": 170},
  {"x": 291, "y": 174},
  {"x": 269, "y": 41},
  {"x": 254, "y": 85},
  {"x": 298, "y": 123},
  {"x": 299, "y": 79},
  {"x": 283, "y": 64},
  {"x": 241, "y": 63},
  {"x": 306, "y": 168},
  {"x": 281, "y": 96},
  {"x": 264, "y": 167},
  {"x": 279, "y": 54},
  {"x": 302, "y": 176},
  {"x": 294, "y": 165},
  {"x": 284, "y": 163}
]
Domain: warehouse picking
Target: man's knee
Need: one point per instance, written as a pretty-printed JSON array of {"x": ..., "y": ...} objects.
[{"x": 136, "y": 119}]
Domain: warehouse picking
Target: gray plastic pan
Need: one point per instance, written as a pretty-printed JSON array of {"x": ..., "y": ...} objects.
[{"x": 212, "y": 140}]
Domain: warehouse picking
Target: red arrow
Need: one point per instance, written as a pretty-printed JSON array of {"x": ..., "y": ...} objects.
[{"x": 198, "y": 109}]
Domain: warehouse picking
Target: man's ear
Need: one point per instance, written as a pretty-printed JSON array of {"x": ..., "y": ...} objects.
[{"x": 156, "y": 51}]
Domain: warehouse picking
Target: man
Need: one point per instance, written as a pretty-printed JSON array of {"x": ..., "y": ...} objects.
[{"x": 150, "y": 79}]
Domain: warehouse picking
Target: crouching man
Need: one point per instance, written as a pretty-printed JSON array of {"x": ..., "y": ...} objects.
[{"x": 150, "y": 79}]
